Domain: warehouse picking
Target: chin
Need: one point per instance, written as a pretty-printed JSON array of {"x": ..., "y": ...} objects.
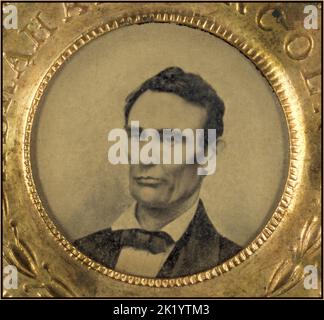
[{"x": 149, "y": 199}]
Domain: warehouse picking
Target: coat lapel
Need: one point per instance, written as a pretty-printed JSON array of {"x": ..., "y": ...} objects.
[
  {"x": 200, "y": 248},
  {"x": 102, "y": 246},
  {"x": 197, "y": 250}
]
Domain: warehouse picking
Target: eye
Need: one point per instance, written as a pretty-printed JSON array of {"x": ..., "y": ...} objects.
[{"x": 172, "y": 136}]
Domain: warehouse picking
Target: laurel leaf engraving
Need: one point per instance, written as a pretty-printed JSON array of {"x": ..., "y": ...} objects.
[
  {"x": 290, "y": 271},
  {"x": 25, "y": 248},
  {"x": 311, "y": 239},
  {"x": 316, "y": 245},
  {"x": 55, "y": 290},
  {"x": 20, "y": 258},
  {"x": 280, "y": 276},
  {"x": 295, "y": 278},
  {"x": 59, "y": 283},
  {"x": 286, "y": 276}
]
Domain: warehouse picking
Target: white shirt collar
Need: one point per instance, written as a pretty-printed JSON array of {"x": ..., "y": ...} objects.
[{"x": 176, "y": 228}]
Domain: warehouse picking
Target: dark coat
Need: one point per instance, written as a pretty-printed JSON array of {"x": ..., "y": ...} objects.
[{"x": 200, "y": 248}]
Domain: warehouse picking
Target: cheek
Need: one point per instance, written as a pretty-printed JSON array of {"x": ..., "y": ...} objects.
[
  {"x": 184, "y": 177},
  {"x": 134, "y": 169}
]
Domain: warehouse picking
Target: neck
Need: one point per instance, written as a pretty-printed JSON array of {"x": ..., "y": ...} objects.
[{"x": 156, "y": 218}]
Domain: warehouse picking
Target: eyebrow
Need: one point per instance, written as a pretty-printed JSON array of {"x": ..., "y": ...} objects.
[{"x": 160, "y": 131}]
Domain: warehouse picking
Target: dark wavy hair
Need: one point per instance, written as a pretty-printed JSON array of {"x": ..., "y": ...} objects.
[{"x": 188, "y": 86}]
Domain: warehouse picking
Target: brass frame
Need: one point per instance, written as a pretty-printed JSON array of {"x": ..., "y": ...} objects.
[{"x": 23, "y": 246}]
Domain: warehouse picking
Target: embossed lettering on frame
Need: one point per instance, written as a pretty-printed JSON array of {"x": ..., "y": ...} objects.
[{"x": 299, "y": 233}]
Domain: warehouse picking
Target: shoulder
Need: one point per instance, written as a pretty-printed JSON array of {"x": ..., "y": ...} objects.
[
  {"x": 106, "y": 237},
  {"x": 215, "y": 241},
  {"x": 227, "y": 249}
]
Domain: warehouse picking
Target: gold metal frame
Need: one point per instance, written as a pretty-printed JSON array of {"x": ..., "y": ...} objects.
[{"x": 241, "y": 26}]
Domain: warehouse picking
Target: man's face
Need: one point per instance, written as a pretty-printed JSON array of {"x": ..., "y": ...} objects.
[{"x": 164, "y": 185}]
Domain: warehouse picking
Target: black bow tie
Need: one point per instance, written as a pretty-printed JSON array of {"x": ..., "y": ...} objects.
[{"x": 153, "y": 241}]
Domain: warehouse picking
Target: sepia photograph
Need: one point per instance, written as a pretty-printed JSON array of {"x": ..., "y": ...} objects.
[
  {"x": 161, "y": 151},
  {"x": 99, "y": 142}
]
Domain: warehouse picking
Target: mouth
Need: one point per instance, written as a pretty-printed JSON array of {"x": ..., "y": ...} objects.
[{"x": 148, "y": 181}]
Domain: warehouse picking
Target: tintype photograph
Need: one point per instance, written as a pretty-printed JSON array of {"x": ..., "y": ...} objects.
[
  {"x": 162, "y": 150},
  {"x": 146, "y": 216}
]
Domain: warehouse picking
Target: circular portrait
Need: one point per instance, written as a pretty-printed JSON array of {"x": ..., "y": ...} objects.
[{"x": 159, "y": 151}]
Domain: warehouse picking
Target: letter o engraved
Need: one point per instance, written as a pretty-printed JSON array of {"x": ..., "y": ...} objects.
[{"x": 298, "y": 46}]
